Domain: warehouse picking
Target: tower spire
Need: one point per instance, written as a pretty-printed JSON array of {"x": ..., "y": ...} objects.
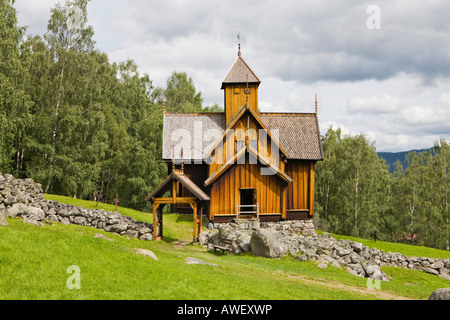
[
  {"x": 316, "y": 105},
  {"x": 239, "y": 44}
]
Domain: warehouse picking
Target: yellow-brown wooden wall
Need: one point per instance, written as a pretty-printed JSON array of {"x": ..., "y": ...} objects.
[
  {"x": 300, "y": 193},
  {"x": 225, "y": 191},
  {"x": 235, "y": 99},
  {"x": 227, "y": 150}
]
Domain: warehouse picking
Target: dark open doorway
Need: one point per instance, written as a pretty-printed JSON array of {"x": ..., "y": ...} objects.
[{"x": 247, "y": 207}]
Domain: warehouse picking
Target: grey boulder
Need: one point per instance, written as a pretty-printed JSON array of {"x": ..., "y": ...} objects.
[{"x": 267, "y": 243}]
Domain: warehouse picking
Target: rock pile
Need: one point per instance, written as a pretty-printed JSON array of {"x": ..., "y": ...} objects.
[
  {"x": 357, "y": 258},
  {"x": 305, "y": 227},
  {"x": 23, "y": 198}
]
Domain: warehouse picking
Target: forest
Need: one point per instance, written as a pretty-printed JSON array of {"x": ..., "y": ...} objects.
[
  {"x": 81, "y": 125},
  {"x": 357, "y": 195},
  {"x": 75, "y": 122}
]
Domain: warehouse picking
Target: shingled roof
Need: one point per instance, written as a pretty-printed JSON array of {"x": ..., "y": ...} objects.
[
  {"x": 299, "y": 133},
  {"x": 239, "y": 72},
  {"x": 196, "y": 133},
  {"x": 184, "y": 180}
]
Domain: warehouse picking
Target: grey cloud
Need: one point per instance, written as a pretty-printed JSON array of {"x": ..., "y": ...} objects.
[{"x": 304, "y": 41}]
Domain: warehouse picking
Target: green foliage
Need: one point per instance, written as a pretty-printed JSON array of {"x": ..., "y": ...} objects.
[
  {"x": 353, "y": 186},
  {"x": 15, "y": 104},
  {"x": 356, "y": 195},
  {"x": 214, "y": 108},
  {"x": 85, "y": 125},
  {"x": 181, "y": 95}
]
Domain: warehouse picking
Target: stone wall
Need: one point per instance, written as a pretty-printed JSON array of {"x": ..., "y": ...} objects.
[
  {"x": 274, "y": 241},
  {"x": 305, "y": 227},
  {"x": 23, "y": 198}
]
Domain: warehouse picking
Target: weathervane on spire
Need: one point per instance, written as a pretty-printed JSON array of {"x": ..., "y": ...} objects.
[
  {"x": 239, "y": 44},
  {"x": 316, "y": 105}
]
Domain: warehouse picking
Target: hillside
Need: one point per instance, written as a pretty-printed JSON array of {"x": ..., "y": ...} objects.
[
  {"x": 112, "y": 269},
  {"x": 392, "y": 157}
]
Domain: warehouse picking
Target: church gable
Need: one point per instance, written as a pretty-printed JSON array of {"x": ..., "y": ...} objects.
[{"x": 246, "y": 132}]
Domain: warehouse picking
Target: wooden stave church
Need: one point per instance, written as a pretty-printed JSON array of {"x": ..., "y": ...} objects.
[{"x": 240, "y": 163}]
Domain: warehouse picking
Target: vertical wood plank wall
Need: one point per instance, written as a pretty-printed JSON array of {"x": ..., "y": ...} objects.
[
  {"x": 225, "y": 191},
  {"x": 300, "y": 193},
  {"x": 235, "y": 99},
  {"x": 227, "y": 149}
]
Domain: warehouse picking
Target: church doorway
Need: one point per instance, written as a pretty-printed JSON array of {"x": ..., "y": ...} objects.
[{"x": 248, "y": 207}]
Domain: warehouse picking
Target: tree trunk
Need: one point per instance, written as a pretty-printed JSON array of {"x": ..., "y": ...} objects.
[
  {"x": 356, "y": 204},
  {"x": 411, "y": 210},
  {"x": 55, "y": 132}
]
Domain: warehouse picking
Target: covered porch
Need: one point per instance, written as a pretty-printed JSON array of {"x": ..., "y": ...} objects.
[{"x": 196, "y": 202}]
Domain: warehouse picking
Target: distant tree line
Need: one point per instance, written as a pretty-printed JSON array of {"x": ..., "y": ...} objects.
[
  {"x": 356, "y": 195},
  {"x": 75, "y": 122}
]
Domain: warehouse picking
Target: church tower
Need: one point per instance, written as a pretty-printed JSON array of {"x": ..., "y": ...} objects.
[{"x": 241, "y": 88}]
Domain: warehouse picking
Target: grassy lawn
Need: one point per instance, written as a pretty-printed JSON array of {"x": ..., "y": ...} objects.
[{"x": 34, "y": 262}]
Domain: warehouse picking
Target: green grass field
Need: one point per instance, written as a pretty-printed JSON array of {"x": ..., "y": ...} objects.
[{"x": 34, "y": 262}]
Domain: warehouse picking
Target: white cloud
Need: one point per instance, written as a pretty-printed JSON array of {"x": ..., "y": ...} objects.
[
  {"x": 374, "y": 105},
  {"x": 433, "y": 113},
  {"x": 34, "y": 14}
]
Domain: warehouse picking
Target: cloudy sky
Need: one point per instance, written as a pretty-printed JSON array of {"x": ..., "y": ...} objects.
[{"x": 381, "y": 68}]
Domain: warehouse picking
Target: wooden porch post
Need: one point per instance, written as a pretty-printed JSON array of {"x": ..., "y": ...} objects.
[
  {"x": 160, "y": 224},
  {"x": 200, "y": 219},
  {"x": 174, "y": 196},
  {"x": 155, "y": 221},
  {"x": 194, "y": 208}
]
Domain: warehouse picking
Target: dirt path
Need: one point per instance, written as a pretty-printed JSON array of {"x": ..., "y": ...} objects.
[
  {"x": 377, "y": 293},
  {"x": 180, "y": 244}
]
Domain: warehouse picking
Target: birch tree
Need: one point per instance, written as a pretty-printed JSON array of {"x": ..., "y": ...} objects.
[
  {"x": 353, "y": 186},
  {"x": 67, "y": 34}
]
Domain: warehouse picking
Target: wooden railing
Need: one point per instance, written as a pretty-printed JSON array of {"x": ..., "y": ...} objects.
[{"x": 255, "y": 206}]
